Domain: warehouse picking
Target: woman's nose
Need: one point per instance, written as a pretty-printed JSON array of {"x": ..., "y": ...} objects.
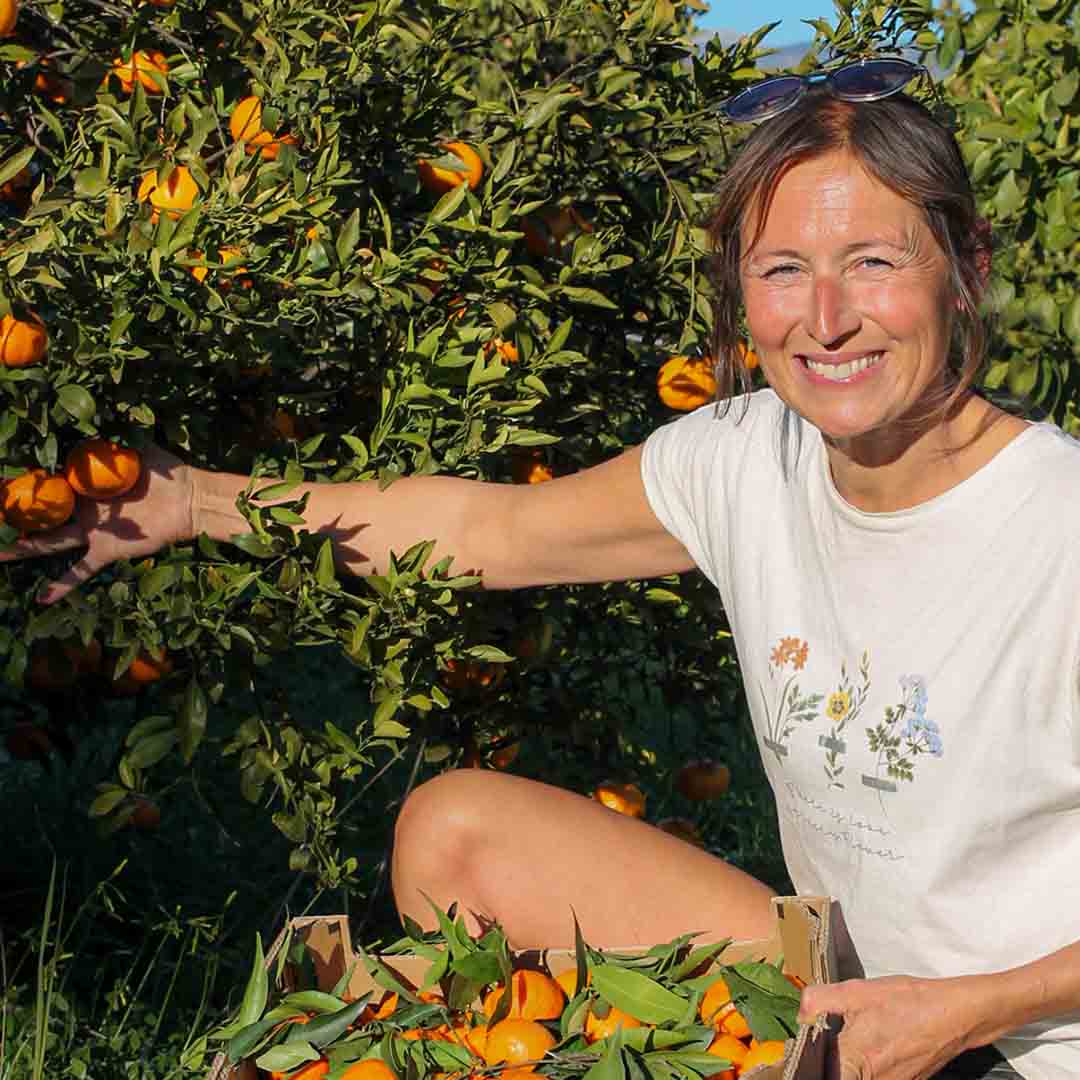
[{"x": 831, "y": 317}]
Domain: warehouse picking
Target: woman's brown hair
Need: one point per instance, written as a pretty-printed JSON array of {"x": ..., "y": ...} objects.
[{"x": 900, "y": 144}]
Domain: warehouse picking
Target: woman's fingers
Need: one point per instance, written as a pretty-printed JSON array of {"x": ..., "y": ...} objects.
[
  {"x": 64, "y": 538},
  {"x": 72, "y": 578}
]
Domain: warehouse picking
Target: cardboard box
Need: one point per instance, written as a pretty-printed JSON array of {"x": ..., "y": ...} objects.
[{"x": 803, "y": 937}]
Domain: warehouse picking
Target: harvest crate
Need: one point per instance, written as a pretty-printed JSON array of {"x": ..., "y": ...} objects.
[{"x": 803, "y": 938}]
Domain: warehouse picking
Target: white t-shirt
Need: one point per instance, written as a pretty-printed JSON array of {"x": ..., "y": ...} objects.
[{"x": 914, "y": 682}]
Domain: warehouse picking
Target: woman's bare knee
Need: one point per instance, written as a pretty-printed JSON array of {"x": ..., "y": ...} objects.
[{"x": 435, "y": 839}]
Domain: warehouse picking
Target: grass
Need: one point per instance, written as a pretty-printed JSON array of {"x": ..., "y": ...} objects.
[{"x": 119, "y": 953}]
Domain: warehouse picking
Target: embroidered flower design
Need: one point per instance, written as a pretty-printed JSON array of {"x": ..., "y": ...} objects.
[
  {"x": 838, "y": 706},
  {"x": 785, "y": 706},
  {"x": 905, "y": 733}
]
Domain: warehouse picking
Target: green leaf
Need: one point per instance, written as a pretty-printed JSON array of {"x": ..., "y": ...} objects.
[
  {"x": 254, "y": 1001},
  {"x": 637, "y": 994},
  {"x": 768, "y": 1001},
  {"x": 326, "y": 1029},
  {"x": 151, "y": 750},
  {"x": 90, "y": 182},
  {"x": 15, "y": 164},
  {"x": 286, "y": 1056},
  {"x": 325, "y": 572},
  {"x": 588, "y": 296},
  {"x": 77, "y": 401},
  {"x": 545, "y": 109},
  {"x": 193, "y": 711}
]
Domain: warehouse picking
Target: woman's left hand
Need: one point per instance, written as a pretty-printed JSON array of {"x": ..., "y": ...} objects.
[{"x": 897, "y": 1028}]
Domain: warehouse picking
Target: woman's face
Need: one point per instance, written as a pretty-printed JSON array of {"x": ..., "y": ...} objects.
[{"x": 848, "y": 303}]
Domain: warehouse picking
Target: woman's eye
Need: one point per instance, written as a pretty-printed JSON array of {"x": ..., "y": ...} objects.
[
  {"x": 875, "y": 264},
  {"x": 784, "y": 269}
]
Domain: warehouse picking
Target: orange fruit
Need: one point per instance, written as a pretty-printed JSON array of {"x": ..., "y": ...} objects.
[
  {"x": 224, "y": 255},
  {"x": 245, "y": 126},
  {"x": 732, "y": 1022},
  {"x": 102, "y": 469},
  {"x": 146, "y": 815},
  {"x": 504, "y": 756},
  {"x": 139, "y": 69},
  {"x": 686, "y": 384},
  {"x": 387, "y": 1004},
  {"x": 703, "y": 780},
  {"x": 472, "y": 674},
  {"x": 37, "y": 501},
  {"x": 56, "y": 89},
  {"x": 534, "y": 996},
  {"x": 143, "y": 670},
  {"x": 568, "y": 981},
  {"x": 683, "y": 828},
  {"x": 624, "y": 798},
  {"x": 727, "y": 1046},
  {"x": 506, "y": 349},
  {"x": 440, "y": 179},
  {"x": 517, "y": 1041},
  {"x": 529, "y": 467},
  {"x": 55, "y": 665},
  {"x": 20, "y": 183},
  {"x": 597, "y": 1028},
  {"x": 9, "y": 14},
  {"x": 369, "y": 1069},
  {"x": 544, "y": 235},
  {"x": 177, "y": 194},
  {"x": 472, "y": 1036},
  {"x": 22, "y": 341},
  {"x": 767, "y": 1052},
  {"x": 749, "y": 357},
  {"x": 310, "y": 1070},
  {"x": 716, "y": 999}
]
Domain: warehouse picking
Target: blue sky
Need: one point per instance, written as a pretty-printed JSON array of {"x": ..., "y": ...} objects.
[{"x": 743, "y": 17}]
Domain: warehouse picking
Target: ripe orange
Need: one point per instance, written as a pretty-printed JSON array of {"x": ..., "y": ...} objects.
[
  {"x": 732, "y": 1022},
  {"x": 767, "y": 1052},
  {"x": 245, "y": 126},
  {"x": 9, "y": 14},
  {"x": 472, "y": 674},
  {"x": 146, "y": 815},
  {"x": 472, "y": 1036},
  {"x": 683, "y": 828},
  {"x": 517, "y": 1041},
  {"x": 597, "y": 1028},
  {"x": 385, "y": 1008},
  {"x": 311, "y": 1070},
  {"x": 686, "y": 384},
  {"x": 22, "y": 341},
  {"x": 440, "y": 179},
  {"x": 506, "y": 349},
  {"x": 504, "y": 756},
  {"x": 55, "y": 665},
  {"x": 534, "y": 996},
  {"x": 224, "y": 255},
  {"x": 702, "y": 780},
  {"x": 529, "y": 467},
  {"x": 37, "y": 501},
  {"x": 716, "y": 999},
  {"x": 749, "y": 357},
  {"x": 624, "y": 798},
  {"x": 102, "y": 469},
  {"x": 139, "y": 69},
  {"x": 727, "y": 1046},
  {"x": 568, "y": 981},
  {"x": 177, "y": 194},
  {"x": 56, "y": 89},
  {"x": 544, "y": 235},
  {"x": 143, "y": 670},
  {"x": 370, "y": 1069}
]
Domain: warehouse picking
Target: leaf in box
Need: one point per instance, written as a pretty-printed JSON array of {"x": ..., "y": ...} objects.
[
  {"x": 768, "y": 1001},
  {"x": 326, "y": 1029},
  {"x": 637, "y": 994}
]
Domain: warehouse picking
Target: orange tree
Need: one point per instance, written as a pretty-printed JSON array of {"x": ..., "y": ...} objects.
[
  {"x": 242, "y": 229},
  {"x": 329, "y": 241}
]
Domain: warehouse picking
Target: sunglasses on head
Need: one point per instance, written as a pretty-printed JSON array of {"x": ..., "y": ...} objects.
[{"x": 863, "y": 80}]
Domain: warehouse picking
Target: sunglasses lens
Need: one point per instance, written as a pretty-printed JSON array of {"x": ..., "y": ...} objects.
[
  {"x": 872, "y": 79},
  {"x": 764, "y": 100}
]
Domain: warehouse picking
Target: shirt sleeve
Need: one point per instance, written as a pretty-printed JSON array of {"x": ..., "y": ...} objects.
[{"x": 680, "y": 471}]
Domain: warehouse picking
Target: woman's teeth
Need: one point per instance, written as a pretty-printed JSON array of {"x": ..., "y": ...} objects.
[{"x": 839, "y": 372}]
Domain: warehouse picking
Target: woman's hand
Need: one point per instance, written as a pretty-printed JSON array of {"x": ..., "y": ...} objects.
[
  {"x": 156, "y": 512},
  {"x": 898, "y": 1028}
]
